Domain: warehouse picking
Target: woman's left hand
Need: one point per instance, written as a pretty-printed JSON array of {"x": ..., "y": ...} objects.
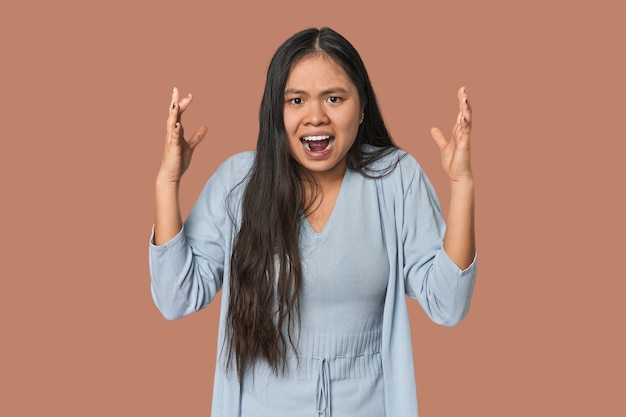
[{"x": 455, "y": 152}]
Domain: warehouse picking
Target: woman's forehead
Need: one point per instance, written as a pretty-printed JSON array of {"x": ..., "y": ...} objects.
[{"x": 317, "y": 70}]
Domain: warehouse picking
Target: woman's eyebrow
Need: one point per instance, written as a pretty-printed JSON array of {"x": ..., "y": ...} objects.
[
  {"x": 335, "y": 90},
  {"x": 331, "y": 90},
  {"x": 294, "y": 91}
]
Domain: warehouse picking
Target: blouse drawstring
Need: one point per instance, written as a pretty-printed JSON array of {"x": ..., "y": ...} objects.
[{"x": 323, "y": 389}]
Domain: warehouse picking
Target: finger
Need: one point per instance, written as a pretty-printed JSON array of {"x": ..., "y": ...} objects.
[
  {"x": 457, "y": 130},
  {"x": 465, "y": 109},
  {"x": 173, "y": 126},
  {"x": 174, "y": 103},
  {"x": 175, "y": 134},
  {"x": 462, "y": 93},
  {"x": 197, "y": 137},
  {"x": 173, "y": 110},
  {"x": 175, "y": 95},
  {"x": 438, "y": 137},
  {"x": 466, "y": 125},
  {"x": 462, "y": 132},
  {"x": 465, "y": 122},
  {"x": 183, "y": 104}
]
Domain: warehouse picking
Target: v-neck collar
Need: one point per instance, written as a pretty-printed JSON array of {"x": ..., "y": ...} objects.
[{"x": 338, "y": 202}]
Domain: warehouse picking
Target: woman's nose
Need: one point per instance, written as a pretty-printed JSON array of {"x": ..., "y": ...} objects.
[{"x": 316, "y": 114}]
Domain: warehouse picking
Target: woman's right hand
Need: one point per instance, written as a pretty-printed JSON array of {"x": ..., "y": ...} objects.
[
  {"x": 178, "y": 150},
  {"x": 176, "y": 159}
]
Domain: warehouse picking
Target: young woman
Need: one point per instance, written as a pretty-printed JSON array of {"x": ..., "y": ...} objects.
[{"x": 315, "y": 239}]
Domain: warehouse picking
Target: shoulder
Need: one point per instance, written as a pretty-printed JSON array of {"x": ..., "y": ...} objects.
[
  {"x": 236, "y": 168},
  {"x": 395, "y": 165},
  {"x": 228, "y": 176},
  {"x": 231, "y": 173},
  {"x": 224, "y": 188}
]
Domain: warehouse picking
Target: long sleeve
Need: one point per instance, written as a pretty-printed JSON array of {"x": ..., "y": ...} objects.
[
  {"x": 188, "y": 271},
  {"x": 431, "y": 277}
]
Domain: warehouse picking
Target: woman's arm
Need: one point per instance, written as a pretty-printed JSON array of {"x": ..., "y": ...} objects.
[
  {"x": 176, "y": 159},
  {"x": 459, "y": 241}
]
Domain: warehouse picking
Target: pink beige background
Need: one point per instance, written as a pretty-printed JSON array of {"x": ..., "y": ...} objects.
[{"x": 85, "y": 89}]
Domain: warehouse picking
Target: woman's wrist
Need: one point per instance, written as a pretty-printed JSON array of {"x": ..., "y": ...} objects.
[{"x": 165, "y": 182}]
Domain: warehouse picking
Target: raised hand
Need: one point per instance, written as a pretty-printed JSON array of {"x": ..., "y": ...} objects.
[
  {"x": 175, "y": 161},
  {"x": 178, "y": 150},
  {"x": 455, "y": 152},
  {"x": 459, "y": 241}
]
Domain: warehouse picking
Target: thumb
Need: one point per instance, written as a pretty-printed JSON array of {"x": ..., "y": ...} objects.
[
  {"x": 438, "y": 137},
  {"x": 197, "y": 137}
]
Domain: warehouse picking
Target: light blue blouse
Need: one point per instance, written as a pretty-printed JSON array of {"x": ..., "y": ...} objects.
[
  {"x": 383, "y": 241},
  {"x": 338, "y": 369}
]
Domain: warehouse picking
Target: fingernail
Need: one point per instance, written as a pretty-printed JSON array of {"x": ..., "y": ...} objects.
[{"x": 188, "y": 95}]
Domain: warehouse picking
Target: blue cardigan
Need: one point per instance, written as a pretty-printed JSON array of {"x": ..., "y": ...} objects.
[{"x": 188, "y": 271}]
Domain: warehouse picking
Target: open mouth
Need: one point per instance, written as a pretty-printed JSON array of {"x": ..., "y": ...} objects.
[{"x": 317, "y": 143}]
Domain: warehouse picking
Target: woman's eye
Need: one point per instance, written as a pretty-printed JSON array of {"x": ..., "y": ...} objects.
[
  {"x": 296, "y": 100},
  {"x": 333, "y": 99}
]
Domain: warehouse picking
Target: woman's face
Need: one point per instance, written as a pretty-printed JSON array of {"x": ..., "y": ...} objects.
[{"x": 322, "y": 113}]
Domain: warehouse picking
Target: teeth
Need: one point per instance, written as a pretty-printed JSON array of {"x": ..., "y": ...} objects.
[
  {"x": 315, "y": 138},
  {"x": 305, "y": 141}
]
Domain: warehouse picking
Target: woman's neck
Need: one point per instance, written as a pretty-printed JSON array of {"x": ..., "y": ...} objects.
[{"x": 322, "y": 187}]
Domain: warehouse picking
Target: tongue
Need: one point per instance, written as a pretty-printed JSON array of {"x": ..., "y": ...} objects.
[{"x": 318, "y": 145}]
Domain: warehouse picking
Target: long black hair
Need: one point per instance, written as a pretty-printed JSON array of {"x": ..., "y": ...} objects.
[{"x": 266, "y": 271}]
